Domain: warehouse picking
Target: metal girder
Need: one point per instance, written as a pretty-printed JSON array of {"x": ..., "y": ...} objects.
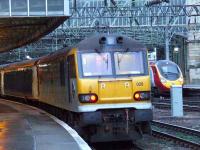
[
  {"x": 80, "y": 33},
  {"x": 85, "y": 20},
  {"x": 147, "y": 24},
  {"x": 133, "y": 16},
  {"x": 138, "y": 11}
]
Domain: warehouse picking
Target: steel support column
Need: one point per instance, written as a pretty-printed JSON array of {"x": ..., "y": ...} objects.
[{"x": 167, "y": 40}]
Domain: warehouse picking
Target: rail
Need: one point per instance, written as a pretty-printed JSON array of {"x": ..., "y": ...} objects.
[{"x": 184, "y": 136}]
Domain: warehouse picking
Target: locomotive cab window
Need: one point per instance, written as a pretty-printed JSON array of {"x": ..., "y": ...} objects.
[
  {"x": 129, "y": 63},
  {"x": 113, "y": 63},
  {"x": 96, "y": 64}
]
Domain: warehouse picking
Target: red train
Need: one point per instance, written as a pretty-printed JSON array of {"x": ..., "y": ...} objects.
[{"x": 164, "y": 74}]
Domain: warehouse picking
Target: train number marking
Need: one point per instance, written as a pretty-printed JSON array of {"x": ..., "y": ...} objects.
[
  {"x": 103, "y": 85},
  {"x": 126, "y": 84},
  {"x": 139, "y": 83}
]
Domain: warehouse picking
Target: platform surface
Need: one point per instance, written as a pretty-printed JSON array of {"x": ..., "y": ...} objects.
[{"x": 27, "y": 128}]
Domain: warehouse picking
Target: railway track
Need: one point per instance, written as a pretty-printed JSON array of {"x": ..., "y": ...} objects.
[
  {"x": 186, "y": 137},
  {"x": 186, "y": 101},
  {"x": 191, "y": 92},
  {"x": 194, "y": 98},
  {"x": 165, "y": 105}
]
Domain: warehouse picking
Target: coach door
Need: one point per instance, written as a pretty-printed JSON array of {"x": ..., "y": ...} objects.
[{"x": 72, "y": 91}]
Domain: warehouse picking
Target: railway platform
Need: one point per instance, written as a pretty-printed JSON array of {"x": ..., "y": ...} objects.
[{"x": 28, "y": 128}]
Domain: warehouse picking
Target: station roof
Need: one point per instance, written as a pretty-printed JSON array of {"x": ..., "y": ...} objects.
[
  {"x": 24, "y": 21},
  {"x": 18, "y": 31}
]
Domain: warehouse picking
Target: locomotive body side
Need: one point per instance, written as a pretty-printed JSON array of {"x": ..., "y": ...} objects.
[{"x": 54, "y": 76}]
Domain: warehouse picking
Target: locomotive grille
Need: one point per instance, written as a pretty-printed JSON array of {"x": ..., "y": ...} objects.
[{"x": 118, "y": 115}]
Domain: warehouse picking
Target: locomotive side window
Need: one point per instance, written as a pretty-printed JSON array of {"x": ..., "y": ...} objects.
[
  {"x": 71, "y": 66},
  {"x": 129, "y": 63},
  {"x": 71, "y": 74},
  {"x": 62, "y": 73},
  {"x": 96, "y": 64}
]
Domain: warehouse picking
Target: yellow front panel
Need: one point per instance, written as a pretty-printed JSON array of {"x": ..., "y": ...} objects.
[
  {"x": 120, "y": 90},
  {"x": 115, "y": 91},
  {"x": 141, "y": 83}
]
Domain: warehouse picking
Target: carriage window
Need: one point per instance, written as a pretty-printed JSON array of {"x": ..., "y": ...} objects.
[
  {"x": 129, "y": 63},
  {"x": 96, "y": 64}
]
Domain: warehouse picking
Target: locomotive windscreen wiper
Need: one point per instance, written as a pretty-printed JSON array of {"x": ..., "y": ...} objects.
[{"x": 119, "y": 59}]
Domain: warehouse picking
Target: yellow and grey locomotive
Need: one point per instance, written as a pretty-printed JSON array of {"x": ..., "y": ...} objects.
[{"x": 103, "y": 84}]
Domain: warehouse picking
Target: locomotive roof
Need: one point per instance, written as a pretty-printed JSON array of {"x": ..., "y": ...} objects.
[
  {"x": 90, "y": 43},
  {"x": 93, "y": 42}
]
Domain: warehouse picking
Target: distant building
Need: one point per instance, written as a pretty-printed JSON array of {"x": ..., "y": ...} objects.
[{"x": 193, "y": 47}]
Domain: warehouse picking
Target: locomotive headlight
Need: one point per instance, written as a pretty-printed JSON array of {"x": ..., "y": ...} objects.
[
  {"x": 163, "y": 80},
  {"x": 137, "y": 96},
  {"x": 143, "y": 95},
  {"x": 88, "y": 98}
]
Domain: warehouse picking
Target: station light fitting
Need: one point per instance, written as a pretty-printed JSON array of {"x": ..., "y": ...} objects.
[
  {"x": 176, "y": 49},
  {"x": 28, "y": 57}
]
